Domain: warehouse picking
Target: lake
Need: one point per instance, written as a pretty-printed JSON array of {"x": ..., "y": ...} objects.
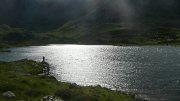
[{"x": 150, "y": 72}]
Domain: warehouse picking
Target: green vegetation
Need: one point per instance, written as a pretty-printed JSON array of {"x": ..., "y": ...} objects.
[
  {"x": 110, "y": 22},
  {"x": 21, "y": 77},
  {"x": 116, "y": 34},
  {"x": 79, "y": 32},
  {"x": 14, "y": 36}
]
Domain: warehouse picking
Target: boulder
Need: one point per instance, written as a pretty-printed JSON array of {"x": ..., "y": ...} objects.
[
  {"x": 9, "y": 94},
  {"x": 51, "y": 98}
]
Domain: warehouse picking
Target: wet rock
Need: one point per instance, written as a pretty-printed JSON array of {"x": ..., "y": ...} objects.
[
  {"x": 51, "y": 98},
  {"x": 74, "y": 85},
  {"x": 9, "y": 94}
]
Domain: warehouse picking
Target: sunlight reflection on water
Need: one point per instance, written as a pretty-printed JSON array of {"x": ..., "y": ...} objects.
[{"x": 151, "y": 71}]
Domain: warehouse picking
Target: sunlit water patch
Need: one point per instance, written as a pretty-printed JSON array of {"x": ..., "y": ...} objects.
[{"x": 152, "y": 72}]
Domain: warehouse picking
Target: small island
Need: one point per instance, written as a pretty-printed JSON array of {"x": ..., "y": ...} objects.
[{"x": 21, "y": 81}]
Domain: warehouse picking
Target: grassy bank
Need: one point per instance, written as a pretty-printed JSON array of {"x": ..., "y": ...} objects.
[{"x": 21, "y": 77}]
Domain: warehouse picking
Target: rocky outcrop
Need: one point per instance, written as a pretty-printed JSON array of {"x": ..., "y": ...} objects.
[
  {"x": 9, "y": 94},
  {"x": 51, "y": 98}
]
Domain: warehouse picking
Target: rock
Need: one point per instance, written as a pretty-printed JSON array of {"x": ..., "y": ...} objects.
[
  {"x": 9, "y": 94},
  {"x": 51, "y": 98},
  {"x": 74, "y": 85}
]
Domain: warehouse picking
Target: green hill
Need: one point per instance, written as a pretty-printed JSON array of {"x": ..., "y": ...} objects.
[
  {"x": 88, "y": 32},
  {"x": 117, "y": 22}
]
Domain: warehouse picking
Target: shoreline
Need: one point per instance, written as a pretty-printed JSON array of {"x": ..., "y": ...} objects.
[
  {"x": 27, "y": 74},
  {"x": 5, "y": 49}
]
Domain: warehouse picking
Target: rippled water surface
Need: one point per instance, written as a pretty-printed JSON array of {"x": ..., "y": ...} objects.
[{"x": 153, "y": 72}]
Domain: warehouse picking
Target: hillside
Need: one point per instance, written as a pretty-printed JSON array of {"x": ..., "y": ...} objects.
[
  {"x": 44, "y": 15},
  {"x": 115, "y": 34},
  {"x": 117, "y": 22}
]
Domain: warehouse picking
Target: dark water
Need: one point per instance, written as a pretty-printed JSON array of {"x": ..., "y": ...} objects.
[{"x": 152, "y": 72}]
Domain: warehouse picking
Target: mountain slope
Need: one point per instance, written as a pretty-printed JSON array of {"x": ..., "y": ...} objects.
[
  {"x": 43, "y": 15},
  {"x": 93, "y": 21}
]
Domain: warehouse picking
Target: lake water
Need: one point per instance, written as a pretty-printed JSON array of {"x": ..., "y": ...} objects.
[{"x": 152, "y": 72}]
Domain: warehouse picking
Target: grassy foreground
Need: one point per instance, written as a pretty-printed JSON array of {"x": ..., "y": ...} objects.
[{"x": 21, "y": 77}]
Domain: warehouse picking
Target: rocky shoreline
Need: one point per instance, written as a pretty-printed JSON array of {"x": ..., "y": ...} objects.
[{"x": 20, "y": 81}]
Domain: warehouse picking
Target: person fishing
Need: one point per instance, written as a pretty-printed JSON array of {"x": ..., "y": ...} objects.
[
  {"x": 46, "y": 66},
  {"x": 43, "y": 59}
]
